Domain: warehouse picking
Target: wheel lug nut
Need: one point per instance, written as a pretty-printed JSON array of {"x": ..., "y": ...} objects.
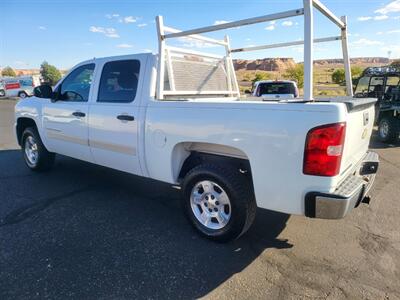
[
  {"x": 206, "y": 204},
  {"x": 212, "y": 197},
  {"x": 210, "y": 210},
  {"x": 215, "y": 209},
  {"x": 206, "y": 197},
  {"x": 216, "y": 202}
]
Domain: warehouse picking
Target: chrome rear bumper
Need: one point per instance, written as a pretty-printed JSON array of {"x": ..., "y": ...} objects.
[{"x": 349, "y": 194}]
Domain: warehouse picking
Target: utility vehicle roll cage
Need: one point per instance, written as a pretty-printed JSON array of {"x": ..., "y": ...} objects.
[{"x": 165, "y": 33}]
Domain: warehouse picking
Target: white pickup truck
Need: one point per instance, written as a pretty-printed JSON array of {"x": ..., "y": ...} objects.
[{"x": 177, "y": 118}]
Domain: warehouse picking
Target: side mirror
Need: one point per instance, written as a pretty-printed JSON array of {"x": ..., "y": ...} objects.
[
  {"x": 43, "y": 91},
  {"x": 248, "y": 92}
]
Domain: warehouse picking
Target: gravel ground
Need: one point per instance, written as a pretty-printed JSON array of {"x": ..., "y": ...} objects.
[{"x": 84, "y": 231}]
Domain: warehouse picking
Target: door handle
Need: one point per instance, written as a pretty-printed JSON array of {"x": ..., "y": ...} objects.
[
  {"x": 125, "y": 118},
  {"x": 78, "y": 114}
]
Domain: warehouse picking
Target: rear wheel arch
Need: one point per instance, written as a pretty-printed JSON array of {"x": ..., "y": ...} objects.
[{"x": 187, "y": 155}]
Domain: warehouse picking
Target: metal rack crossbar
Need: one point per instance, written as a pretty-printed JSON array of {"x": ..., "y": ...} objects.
[{"x": 224, "y": 65}]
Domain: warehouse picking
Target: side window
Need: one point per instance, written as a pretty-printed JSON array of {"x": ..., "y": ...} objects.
[
  {"x": 119, "y": 81},
  {"x": 76, "y": 86}
]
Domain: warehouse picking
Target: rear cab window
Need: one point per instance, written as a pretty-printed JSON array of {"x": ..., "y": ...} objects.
[
  {"x": 119, "y": 81},
  {"x": 268, "y": 88}
]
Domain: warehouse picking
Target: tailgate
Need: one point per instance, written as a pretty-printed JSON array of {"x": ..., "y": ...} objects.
[{"x": 359, "y": 125}]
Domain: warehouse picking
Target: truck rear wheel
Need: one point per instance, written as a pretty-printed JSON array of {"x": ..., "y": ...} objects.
[
  {"x": 36, "y": 156},
  {"x": 218, "y": 201},
  {"x": 388, "y": 129}
]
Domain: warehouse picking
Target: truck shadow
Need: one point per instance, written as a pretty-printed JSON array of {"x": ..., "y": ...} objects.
[{"x": 86, "y": 231}]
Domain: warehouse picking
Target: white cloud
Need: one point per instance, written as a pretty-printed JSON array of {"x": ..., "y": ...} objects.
[
  {"x": 364, "y": 18},
  {"x": 42, "y": 28},
  {"x": 270, "y": 27},
  {"x": 380, "y": 18},
  {"x": 142, "y": 25},
  {"x": 147, "y": 50},
  {"x": 219, "y": 22},
  {"x": 393, "y": 6},
  {"x": 366, "y": 42},
  {"x": 130, "y": 19},
  {"x": 110, "y": 16},
  {"x": 20, "y": 63},
  {"x": 388, "y": 32},
  {"x": 191, "y": 43},
  {"x": 108, "y": 32},
  {"x": 298, "y": 49},
  {"x": 287, "y": 23},
  {"x": 272, "y": 22},
  {"x": 376, "y": 18},
  {"x": 124, "y": 46},
  {"x": 396, "y": 18}
]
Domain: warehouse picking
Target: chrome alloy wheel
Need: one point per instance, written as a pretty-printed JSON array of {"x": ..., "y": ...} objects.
[
  {"x": 384, "y": 129},
  {"x": 210, "y": 205},
  {"x": 31, "y": 151}
]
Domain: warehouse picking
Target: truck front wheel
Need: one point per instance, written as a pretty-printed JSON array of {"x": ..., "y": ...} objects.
[
  {"x": 35, "y": 154},
  {"x": 388, "y": 129},
  {"x": 218, "y": 201}
]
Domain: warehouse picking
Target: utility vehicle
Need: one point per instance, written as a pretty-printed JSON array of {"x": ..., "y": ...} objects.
[{"x": 383, "y": 83}]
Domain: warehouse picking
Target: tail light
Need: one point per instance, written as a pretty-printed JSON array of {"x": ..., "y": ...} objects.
[{"x": 324, "y": 149}]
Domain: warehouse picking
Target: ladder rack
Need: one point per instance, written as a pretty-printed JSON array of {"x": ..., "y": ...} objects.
[{"x": 165, "y": 33}]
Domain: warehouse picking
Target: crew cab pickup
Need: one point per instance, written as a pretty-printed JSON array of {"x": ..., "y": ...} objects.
[{"x": 177, "y": 118}]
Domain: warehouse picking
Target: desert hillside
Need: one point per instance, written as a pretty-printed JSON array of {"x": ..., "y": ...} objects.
[{"x": 281, "y": 64}]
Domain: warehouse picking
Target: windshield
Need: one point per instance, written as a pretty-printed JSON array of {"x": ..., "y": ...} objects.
[
  {"x": 268, "y": 88},
  {"x": 362, "y": 86}
]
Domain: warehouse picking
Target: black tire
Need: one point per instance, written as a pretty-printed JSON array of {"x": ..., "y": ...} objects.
[
  {"x": 45, "y": 159},
  {"x": 22, "y": 95},
  {"x": 388, "y": 130},
  {"x": 2, "y": 93},
  {"x": 239, "y": 191}
]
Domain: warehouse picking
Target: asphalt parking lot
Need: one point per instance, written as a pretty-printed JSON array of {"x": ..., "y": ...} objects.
[{"x": 84, "y": 231}]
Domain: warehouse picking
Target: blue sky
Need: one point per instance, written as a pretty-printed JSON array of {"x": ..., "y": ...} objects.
[{"x": 67, "y": 32}]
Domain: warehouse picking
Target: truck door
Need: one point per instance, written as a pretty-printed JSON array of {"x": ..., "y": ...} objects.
[
  {"x": 113, "y": 116},
  {"x": 65, "y": 120}
]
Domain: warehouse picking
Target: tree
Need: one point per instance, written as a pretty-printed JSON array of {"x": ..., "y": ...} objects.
[
  {"x": 338, "y": 76},
  {"x": 261, "y": 76},
  {"x": 396, "y": 63},
  {"x": 49, "y": 73},
  {"x": 8, "y": 71},
  {"x": 356, "y": 72},
  {"x": 296, "y": 73}
]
